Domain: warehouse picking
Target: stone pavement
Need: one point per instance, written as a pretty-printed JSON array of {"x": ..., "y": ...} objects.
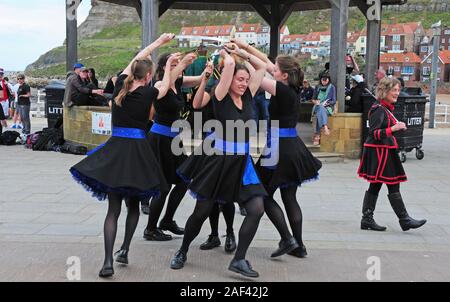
[{"x": 45, "y": 218}]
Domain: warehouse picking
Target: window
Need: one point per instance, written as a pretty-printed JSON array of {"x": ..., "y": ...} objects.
[
  {"x": 408, "y": 70},
  {"x": 362, "y": 40},
  {"x": 423, "y": 48},
  {"x": 448, "y": 47},
  {"x": 397, "y": 68},
  {"x": 426, "y": 70},
  {"x": 447, "y": 32},
  {"x": 252, "y": 28},
  {"x": 443, "y": 41},
  {"x": 396, "y": 38},
  {"x": 396, "y": 47}
]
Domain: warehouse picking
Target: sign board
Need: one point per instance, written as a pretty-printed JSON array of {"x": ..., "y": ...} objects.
[{"x": 101, "y": 123}]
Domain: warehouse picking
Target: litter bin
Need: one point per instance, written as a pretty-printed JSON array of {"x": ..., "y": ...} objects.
[
  {"x": 411, "y": 111},
  {"x": 54, "y": 95}
]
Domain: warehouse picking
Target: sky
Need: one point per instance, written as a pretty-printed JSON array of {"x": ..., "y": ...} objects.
[{"x": 30, "y": 28}]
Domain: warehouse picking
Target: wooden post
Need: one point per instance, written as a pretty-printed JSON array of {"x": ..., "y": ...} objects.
[
  {"x": 71, "y": 33},
  {"x": 150, "y": 23}
]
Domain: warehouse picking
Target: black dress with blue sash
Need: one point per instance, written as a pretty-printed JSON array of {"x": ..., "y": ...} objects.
[
  {"x": 167, "y": 111},
  {"x": 290, "y": 163},
  {"x": 126, "y": 163},
  {"x": 229, "y": 174}
]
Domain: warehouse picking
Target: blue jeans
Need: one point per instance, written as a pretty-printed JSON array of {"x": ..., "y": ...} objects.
[
  {"x": 24, "y": 111},
  {"x": 322, "y": 117}
]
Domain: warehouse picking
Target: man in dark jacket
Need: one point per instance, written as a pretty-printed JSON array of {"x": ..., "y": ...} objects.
[
  {"x": 77, "y": 93},
  {"x": 354, "y": 99}
]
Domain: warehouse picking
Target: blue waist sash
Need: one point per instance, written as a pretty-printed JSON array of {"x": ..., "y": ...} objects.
[
  {"x": 250, "y": 177},
  {"x": 273, "y": 145},
  {"x": 164, "y": 130},
  {"x": 133, "y": 133}
]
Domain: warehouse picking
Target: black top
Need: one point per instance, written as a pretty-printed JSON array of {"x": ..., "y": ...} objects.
[
  {"x": 168, "y": 109},
  {"x": 135, "y": 109},
  {"x": 23, "y": 89},
  {"x": 226, "y": 110},
  {"x": 306, "y": 94},
  {"x": 380, "y": 120},
  {"x": 284, "y": 106},
  {"x": 355, "y": 104}
]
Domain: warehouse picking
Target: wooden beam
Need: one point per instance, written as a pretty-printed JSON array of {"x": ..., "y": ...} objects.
[
  {"x": 275, "y": 19},
  {"x": 286, "y": 12},
  {"x": 261, "y": 10},
  {"x": 164, "y": 6},
  {"x": 138, "y": 6}
]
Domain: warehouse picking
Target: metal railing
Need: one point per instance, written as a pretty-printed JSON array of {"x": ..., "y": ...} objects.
[
  {"x": 441, "y": 114},
  {"x": 40, "y": 105}
]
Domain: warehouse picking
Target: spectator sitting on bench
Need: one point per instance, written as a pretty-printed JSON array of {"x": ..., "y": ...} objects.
[
  {"x": 324, "y": 100},
  {"x": 77, "y": 91}
]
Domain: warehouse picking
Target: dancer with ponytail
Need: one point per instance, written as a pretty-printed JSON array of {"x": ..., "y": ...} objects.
[{"x": 125, "y": 166}]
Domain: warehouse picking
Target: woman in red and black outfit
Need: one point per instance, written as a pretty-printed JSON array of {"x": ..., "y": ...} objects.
[{"x": 380, "y": 163}]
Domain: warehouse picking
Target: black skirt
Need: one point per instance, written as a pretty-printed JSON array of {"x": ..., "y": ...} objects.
[
  {"x": 220, "y": 178},
  {"x": 381, "y": 165},
  {"x": 123, "y": 165},
  {"x": 296, "y": 165},
  {"x": 162, "y": 148}
]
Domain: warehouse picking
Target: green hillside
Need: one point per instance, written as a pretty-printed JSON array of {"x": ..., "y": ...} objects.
[{"x": 110, "y": 50}]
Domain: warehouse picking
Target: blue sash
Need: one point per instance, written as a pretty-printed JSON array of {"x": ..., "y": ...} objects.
[
  {"x": 250, "y": 177},
  {"x": 273, "y": 137},
  {"x": 164, "y": 130},
  {"x": 133, "y": 133}
]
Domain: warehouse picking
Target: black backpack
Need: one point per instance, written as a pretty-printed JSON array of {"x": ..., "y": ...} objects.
[
  {"x": 48, "y": 138},
  {"x": 9, "y": 138}
]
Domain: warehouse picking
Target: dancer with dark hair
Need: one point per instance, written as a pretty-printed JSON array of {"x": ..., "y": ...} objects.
[
  {"x": 295, "y": 164},
  {"x": 228, "y": 175},
  {"x": 125, "y": 166},
  {"x": 380, "y": 162},
  {"x": 202, "y": 100},
  {"x": 166, "y": 112}
]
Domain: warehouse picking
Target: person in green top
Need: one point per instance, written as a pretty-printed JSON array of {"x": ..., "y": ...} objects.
[{"x": 324, "y": 99}]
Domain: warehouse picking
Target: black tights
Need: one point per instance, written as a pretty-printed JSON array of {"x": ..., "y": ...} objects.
[
  {"x": 157, "y": 205},
  {"x": 375, "y": 188},
  {"x": 293, "y": 211},
  {"x": 255, "y": 210},
  {"x": 110, "y": 226},
  {"x": 228, "y": 210}
]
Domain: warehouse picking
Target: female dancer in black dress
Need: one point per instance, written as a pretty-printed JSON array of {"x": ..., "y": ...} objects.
[
  {"x": 167, "y": 111},
  {"x": 202, "y": 101},
  {"x": 296, "y": 164},
  {"x": 229, "y": 174},
  {"x": 380, "y": 163},
  {"x": 125, "y": 166}
]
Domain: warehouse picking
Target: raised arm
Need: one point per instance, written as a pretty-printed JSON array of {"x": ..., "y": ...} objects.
[
  {"x": 202, "y": 98},
  {"x": 270, "y": 67},
  {"x": 226, "y": 77},
  {"x": 259, "y": 66},
  {"x": 146, "y": 52},
  {"x": 182, "y": 65},
  {"x": 163, "y": 86}
]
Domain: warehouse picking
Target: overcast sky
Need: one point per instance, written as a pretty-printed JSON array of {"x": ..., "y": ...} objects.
[{"x": 30, "y": 28}]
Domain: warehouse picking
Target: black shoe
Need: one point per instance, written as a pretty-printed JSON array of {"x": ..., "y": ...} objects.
[
  {"x": 299, "y": 252},
  {"x": 243, "y": 267},
  {"x": 172, "y": 227},
  {"x": 178, "y": 260},
  {"x": 121, "y": 256},
  {"x": 156, "y": 235},
  {"x": 106, "y": 271},
  {"x": 230, "y": 243},
  {"x": 285, "y": 246},
  {"x": 145, "y": 209},
  {"x": 406, "y": 222},
  {"x": 210, "y": 243},
  {"x": 367, "y": 221}
]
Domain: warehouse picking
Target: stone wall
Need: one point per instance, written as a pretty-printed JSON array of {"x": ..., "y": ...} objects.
[{"x": 345, "y": 137}]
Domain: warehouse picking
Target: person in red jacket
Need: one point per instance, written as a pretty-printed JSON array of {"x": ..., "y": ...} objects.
[{"x": 380, "y": 162}]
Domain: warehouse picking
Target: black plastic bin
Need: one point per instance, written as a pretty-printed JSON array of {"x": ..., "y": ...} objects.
[
  {"x": 411, "y": 111},
  {"x": 54, "y": 95}
]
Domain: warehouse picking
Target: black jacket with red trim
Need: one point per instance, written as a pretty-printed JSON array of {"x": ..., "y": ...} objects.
[{"x": 380, "y": 135}]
